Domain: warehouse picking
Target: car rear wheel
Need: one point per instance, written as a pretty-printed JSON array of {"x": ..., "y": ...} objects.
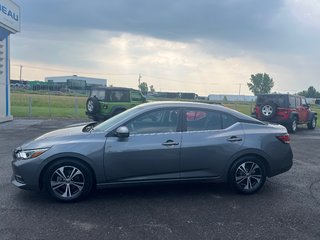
[
  {"x": 292, "y": 126},
  {"x": 313, "y": 123},
  {"x": 68, "y": 180},
  {"x": 247, "y": 175}
]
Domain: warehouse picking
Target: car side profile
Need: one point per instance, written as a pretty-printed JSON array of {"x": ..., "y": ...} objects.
[
  {"x": 105, "y": 102},
  {"x": 159, "y": 142},
  {"x": 285, "y": 109}
]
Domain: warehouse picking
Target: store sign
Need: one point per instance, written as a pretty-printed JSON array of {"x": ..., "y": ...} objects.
[{"x": 9, "y": 15}]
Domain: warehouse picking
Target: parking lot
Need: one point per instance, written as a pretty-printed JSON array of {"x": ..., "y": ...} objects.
[{"x": 288, "y": 207}]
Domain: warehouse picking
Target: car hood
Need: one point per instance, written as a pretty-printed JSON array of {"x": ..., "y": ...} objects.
[{"x": 65, "y": 135}]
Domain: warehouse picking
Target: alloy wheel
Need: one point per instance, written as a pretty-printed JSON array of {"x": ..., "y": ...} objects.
[
  {"x": 90, "y": 105},
  {"x": 248, "y": 176},
  {"x": 67, "y": 182},
  {"x": 267, "y": 110},
  {"x": 294, "y": 125}
]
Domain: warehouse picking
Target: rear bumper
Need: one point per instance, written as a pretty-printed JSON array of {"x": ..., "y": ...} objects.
[
  {"x": 273, "y": 120},
  {"x": 282, "y": 164}
]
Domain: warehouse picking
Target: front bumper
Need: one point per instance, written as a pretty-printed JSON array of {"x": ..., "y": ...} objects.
[{"x": 25, "y": 174}]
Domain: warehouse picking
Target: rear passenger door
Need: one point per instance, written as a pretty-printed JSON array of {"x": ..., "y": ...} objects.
[{"x": 209, "y": 139}]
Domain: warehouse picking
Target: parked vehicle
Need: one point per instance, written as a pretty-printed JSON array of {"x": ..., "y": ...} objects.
[
  {"x": 285, "y": 109},
  {"x": 160, "y": 142},
  {"x": 104, "y": 103}
]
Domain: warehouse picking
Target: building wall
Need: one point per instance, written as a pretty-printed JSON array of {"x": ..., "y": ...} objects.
[
  {"x": 89, "y": 81},
  {"x": 9, "y": 23},
  {"x": 5, "y": 114}
]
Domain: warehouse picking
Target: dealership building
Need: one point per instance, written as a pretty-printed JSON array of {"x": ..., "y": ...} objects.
[
  {"x": 77, "y": 81},
  {"x": 9, "y": 23}
]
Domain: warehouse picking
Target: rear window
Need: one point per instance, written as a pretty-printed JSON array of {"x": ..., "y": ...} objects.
[{"x": 280, "y": 100}]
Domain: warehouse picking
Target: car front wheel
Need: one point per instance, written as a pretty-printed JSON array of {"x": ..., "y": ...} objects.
[
  {"x": 247, "y": 175},
  {"x": 68, "y": 180},
  {"x": 292, "y": 126},
  {"x": 313, "y": 123}
]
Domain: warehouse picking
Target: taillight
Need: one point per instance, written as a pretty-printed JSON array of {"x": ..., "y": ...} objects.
[{"x": 285, "y": 138}]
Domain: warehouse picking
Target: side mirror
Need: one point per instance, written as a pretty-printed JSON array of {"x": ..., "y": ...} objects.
[{"x": 122, "y": 132}]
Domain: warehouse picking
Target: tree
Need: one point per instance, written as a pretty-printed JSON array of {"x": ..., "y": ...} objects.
[
  {"x": 152, "y": 89},
  {"x": 260, "y": 83},
  {"x": 143, "y": 87},
  {"x": 310, "y": 93}
]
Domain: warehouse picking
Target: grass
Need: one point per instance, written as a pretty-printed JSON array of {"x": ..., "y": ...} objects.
[
  {"x": 55, "y": 106},
  {"x": 47, "y": 106}
]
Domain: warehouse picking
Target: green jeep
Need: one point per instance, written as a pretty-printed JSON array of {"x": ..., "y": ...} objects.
[{"x": 106, "y": 102}]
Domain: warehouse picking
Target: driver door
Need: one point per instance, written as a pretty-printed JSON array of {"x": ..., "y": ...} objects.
[{"x": 151, "y": 152}]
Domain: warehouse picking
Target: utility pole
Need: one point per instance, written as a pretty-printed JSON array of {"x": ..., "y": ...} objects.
[
  {"x": 239, "y": 89},
  {"x": 21, "y": 73},
  {"x": 139, "y": 80}
]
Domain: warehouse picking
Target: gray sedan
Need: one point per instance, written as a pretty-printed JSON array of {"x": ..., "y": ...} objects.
[{"x": 151, "y": 143}]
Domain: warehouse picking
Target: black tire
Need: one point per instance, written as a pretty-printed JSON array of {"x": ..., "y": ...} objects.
[
  {"x": 92, "y": 105},
  {"x": 268, "y": 110},
  {"x": 247, "y": 175},
  {"x": 312, "y": 124},
  {"x": 292, "y": 126},
  {"x": 96, "y": 119},
  {"x": 65, "y": 188}
]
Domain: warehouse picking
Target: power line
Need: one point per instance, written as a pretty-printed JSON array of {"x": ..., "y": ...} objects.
[
  {"x": 72, "y": 71},
  {"x": 180, "y": 81}
]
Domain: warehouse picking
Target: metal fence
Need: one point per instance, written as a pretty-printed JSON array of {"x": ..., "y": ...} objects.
[{"x": 47, "y": 104}]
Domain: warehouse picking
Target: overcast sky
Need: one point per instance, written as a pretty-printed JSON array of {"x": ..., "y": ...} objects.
[{"x": 203, "y": 46}]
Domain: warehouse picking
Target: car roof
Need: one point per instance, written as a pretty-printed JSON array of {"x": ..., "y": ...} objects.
[
  {"x": 185, "y": 104},
  {"x": 279, "y": 94},
  {"x": 114, "y": 88}
]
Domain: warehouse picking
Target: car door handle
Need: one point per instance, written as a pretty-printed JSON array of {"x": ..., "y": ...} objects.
[
  {"x": 170, "y": 143},
  {"x": 234, "y": 139}
]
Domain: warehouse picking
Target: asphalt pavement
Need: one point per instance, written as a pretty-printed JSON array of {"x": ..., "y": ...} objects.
[{"x": 287, "y": 207}]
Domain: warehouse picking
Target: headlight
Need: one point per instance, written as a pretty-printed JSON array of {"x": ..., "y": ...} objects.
[{"x": 31, "y": 153}]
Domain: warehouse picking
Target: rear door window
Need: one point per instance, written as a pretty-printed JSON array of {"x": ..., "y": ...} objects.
[
  {"x": 118, "y": 96},
  {"x": 100, "y": 94},
  {"x": 292, "y": 101},
  {"x": 136, "y": 96},
  {"x": 298, "y": 101},
  {"x": 203, "y": 120}
]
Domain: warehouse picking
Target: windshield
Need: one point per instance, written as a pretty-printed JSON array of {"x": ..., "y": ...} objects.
[{"x": 117, "y": 118}]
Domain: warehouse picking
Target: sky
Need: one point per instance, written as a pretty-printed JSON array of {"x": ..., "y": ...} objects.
[{"x": 203, "y": 46}]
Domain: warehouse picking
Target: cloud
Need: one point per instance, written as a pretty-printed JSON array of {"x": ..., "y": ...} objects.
[{"x": 184, "y": 41}]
